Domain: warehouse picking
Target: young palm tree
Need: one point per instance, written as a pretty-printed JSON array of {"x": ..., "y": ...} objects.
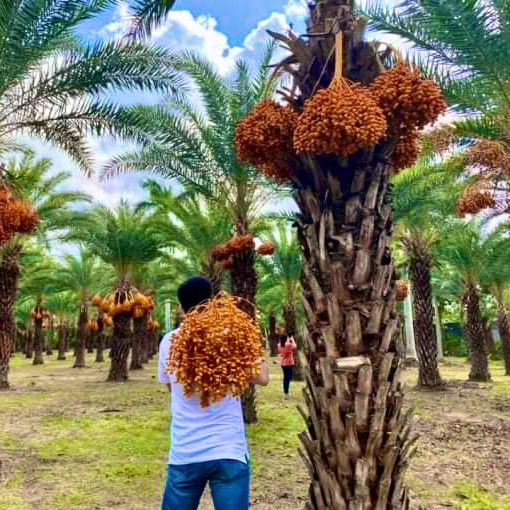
[
  {"x": 83, "y": 275},
  {"x": 283, "y": 269},
  {"x": 463, "y": 248},
  {"x": 62, "y": 305},
  {"x": 495, "y": 276},
  {"x": 123, "y": 240},
  {"x": 193, "y": 225},
  {"x": 197, "y": 147},
  {"x": 422, "y": 197},
  {"x": 30, "y": 179}
]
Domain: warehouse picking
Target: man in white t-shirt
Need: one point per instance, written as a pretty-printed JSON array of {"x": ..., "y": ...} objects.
[{"x": 207, "y": 445}]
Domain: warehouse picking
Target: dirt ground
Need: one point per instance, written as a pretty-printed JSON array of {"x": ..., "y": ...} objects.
[{"x": 68, "y": 440}]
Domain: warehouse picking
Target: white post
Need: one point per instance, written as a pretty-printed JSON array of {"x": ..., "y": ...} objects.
[
  {"x": 408, "y": 313},
  {"x": 167, "y": 316},
  {"x": 439, "y": 331}
]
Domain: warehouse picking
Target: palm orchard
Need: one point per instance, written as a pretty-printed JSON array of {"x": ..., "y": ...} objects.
[{"x": 389, "y": 206}]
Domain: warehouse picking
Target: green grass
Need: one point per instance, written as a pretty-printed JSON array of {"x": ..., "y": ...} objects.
[{"x": 73, "y": 441}]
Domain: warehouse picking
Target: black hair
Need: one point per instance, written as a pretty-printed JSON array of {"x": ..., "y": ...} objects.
[
  {"x": 194, "y": 291},
  {"x": 283, "y": 340}
]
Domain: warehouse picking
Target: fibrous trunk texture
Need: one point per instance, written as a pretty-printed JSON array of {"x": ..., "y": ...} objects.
[
  {"x": 424, "y": 328},
  {"x": 81, "y": 338},
  {"x": 29, "y": 349},
  {"x": 9, "y": 274},
  {"x": 120, "y": 348},
  {"x": 49, "y": 338},
  {"x": 476, "y": 336},
  {"x": 504, "y": 332},
  {"x": 273, "y": 337},
  {"x": 91, "y": 340},
  {"x": 243, "y": 283},
  {"x": 139, "y": 335},
  {"x": 490, "y": 344},
  {"x": 289, "y": 316},
  {"x": 38, "y": 342},
  {"x": 61, "y": 336},
  {"x": 100, "y": 340}
]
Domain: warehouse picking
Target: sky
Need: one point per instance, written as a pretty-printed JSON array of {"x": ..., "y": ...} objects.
[{"x": 221, "y": 30}]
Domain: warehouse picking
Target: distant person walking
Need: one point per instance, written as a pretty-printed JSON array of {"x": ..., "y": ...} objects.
[{"x": 286, "y": 348}]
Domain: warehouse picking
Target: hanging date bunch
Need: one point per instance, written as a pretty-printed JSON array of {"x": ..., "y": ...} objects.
[
  {"x": 408, "y": 101},
  {"x": 474, "y": 199},
  {"x": 92, "y": 326},
  {"x": 264, "y": 138},
  {"x": 39, "y": 313},
  {"x": 490, "y": 155},
  {"x": 402, "y": 288},
  {"x": 267, "y": 248},
  {"x": 235, "y": 246},
  {"x": 17, "y": 216},
  {"x": 406, "y": 151},
  {"x": 127, "y": 302},
  {"x": 153, "y": 325},
  {"x": 107, "y": 320},
  {"x": 341, "y": 120},
  {"x": 217, "y": 350}
]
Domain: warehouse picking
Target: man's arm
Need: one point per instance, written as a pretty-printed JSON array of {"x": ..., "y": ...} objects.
[{"x": 262, "y": 379}]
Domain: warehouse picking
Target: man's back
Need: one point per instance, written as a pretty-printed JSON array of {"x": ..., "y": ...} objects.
[{"x": 202, "y": 434}]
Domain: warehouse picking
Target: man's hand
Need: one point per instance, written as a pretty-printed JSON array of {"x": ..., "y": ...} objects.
[{"x": 262, "y": 379}]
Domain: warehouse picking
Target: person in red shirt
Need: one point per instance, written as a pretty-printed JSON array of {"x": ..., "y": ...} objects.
[{"x": 286, "y": 347}]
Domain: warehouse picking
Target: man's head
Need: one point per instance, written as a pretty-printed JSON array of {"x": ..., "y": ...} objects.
[{"x": 193, "y": 292}]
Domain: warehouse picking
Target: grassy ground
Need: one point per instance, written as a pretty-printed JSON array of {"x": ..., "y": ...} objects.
[{"x": 68, "y": 440}]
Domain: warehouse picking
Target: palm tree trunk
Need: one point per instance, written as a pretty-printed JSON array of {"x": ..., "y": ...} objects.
[
  {"x": 61, "y": 335},
  {"x": 91, "y": 340},
  {"x": 489, "y": 339},
  {"x": 243, "y": 283},
  {"x": 476, "y": 336},
  {"x": 139, "y": 333},
  {"x": 81, "y": 337},
  {"x": 289, "y": 316},
  {"x": 38, "y": 342},
  {"x": 504, "y": 332},
  {"x": 49, "y": 338},
  {"x": 100, "y": 340},
  {"x": 9, "y": 274},
  {"x": 358, "y": 441},
  {"x": 423, "y": 307},
  {"x": 120, "y": 348},
  {"x": 273, "y": 337},
  {"x": 29, "y": 350}
]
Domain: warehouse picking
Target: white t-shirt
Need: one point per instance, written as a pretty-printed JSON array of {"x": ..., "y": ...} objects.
[{"x": 201, "y": 434}]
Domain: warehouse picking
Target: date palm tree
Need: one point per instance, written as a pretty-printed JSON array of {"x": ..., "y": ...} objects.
[
  {"x": 62, "y": 306},
  {"x": 462, "y": 246},
  {"x": 422, "y": 197},
  {"x": 193, "y": 225},
  {"x": 196, "y": 146},
  {"x": 358, "y": 438},
  {"x": 123, "y": 239},
  {"x": 32, "y": 180},
  {"x": 82, "y": 275},
  {"x": 495, "y": 276}
]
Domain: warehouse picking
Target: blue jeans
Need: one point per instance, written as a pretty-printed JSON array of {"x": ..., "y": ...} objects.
[{"x": 229, "y": 481}]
